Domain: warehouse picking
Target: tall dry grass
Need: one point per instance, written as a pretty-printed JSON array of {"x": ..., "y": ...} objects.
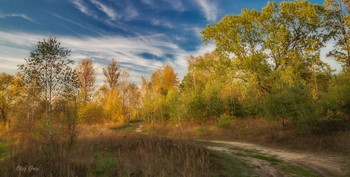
[{"x": 102, "y": 153}]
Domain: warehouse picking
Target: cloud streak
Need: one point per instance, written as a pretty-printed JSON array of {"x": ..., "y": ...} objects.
[
  {"x": 17, "y": 15},
  {"x": 102, "y": 49},
  {"x": 209, "y": 8},
  {"x": 80, "y": 5},
  {"x": 105, "y": 9}
]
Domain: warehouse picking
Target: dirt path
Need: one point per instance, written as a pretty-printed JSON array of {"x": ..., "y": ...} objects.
[
  {"x": 277, "y": 162},
  {"x": 320, "y": 165}
]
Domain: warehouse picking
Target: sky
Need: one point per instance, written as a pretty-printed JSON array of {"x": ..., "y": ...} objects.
[{"x": 142, "y": 35}]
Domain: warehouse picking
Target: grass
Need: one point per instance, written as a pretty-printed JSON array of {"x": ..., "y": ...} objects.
[
  {"x": 3, "y": 149},
  {"x": 268, "y": 158},
  {"x": 102, "y": 152},
  {"x": 223, "y": 164},
  {"x": 246, "y": 152},
  {"x": 298, "y": 171}
]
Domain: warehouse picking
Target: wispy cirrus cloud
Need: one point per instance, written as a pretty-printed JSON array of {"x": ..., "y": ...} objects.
[
  {"x": 17, "y": 15},
  {"x": 105, "y": 9},
  {"x": 209, "y": 8},
  {"x": 176, "y": 4},
  {"x": 81, "y": 6},
  {"x": 127, "y": 51},
  {"x": 130, "y": 12}
]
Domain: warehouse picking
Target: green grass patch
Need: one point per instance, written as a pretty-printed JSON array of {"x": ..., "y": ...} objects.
[
  {"x": 3, "y": 149},
  {"x": 102, "y": 164},
  {"x": 223, "y": 164},
  {"x": 127, "y": 128},
  {"x": 268, "y": 158},
  {"x": 298, "y": 171}
]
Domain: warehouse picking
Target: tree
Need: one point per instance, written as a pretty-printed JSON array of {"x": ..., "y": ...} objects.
[
  {"x": 86, "y": 75},
  {"x": 280, "y": 42},
  {"x": 164, "y": 79},
  {"x": 339, "y": 27},
  {"x": 50, "y": 68},
  {"x": 6, "y": 96},
  {"x": 112, "y": 74}
]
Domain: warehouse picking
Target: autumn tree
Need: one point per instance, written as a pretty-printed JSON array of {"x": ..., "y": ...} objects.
[
  {"x": 87, "y": 77},
  {"x": 112, "y": 104},
  {"x": 50, "y": 67},
  {"x": 164, "y": 79},
  {"x": 112, "y": 74}
]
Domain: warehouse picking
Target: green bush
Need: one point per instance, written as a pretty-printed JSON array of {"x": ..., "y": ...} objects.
[
  {"x": 335, "y": 103},
  {"x": 196, "y": 106},
  {"x": 224, "y": 121},
  {"x": 293, "y": 102}
]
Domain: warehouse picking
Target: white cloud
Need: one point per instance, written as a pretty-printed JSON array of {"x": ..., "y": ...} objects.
[
  {"x": 102, "y": 49},
  {"x": 209, "y": 8},
  {"x": 17, "y": 15},
  {"x": 82, "y": 7},
  {"x": 105, "y": 9}
]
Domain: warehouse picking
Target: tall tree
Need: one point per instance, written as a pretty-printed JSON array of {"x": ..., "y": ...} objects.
[
  {"x": 49, "y": 66},
  {"x": 112, "y": 74},
  {"x": 86, "y": 75},
  {"x": 339, "y": 26},
  {"x": 280, "y": 42}
]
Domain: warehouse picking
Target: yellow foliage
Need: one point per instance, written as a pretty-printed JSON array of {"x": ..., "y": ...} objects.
[{"x": 113, "y": 107}]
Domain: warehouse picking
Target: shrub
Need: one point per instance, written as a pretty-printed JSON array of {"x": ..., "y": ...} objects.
[
  {"x": 91, "y": 113},
  {"x": 335, "y": 103},
  {"x": 224, "y": 121},
  {"x": 293, "y": 102},
  {"x": 196, "y": 106}
]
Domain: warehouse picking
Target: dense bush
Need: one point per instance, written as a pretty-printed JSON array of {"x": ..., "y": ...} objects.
[{"x": 293, "y": 102}]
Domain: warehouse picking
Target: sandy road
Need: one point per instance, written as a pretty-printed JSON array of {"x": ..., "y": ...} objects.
[{"x": 321, "y": 164}]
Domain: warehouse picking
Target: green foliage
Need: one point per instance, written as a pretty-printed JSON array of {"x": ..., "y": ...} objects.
[
  {"x": 214, "y": 104},
  {"x": 224, "y": 121},
  {"x": 293, "y": 102},
  {"x": 196, "y": 107},
  {"x": 335, "y": 102},
  {"x": 102, "y": 164}
]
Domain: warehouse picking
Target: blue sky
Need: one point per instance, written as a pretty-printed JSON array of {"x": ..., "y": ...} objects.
[{"x": 142, "y": 35}]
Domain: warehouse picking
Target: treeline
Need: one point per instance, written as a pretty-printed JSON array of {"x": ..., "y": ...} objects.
[{"x": 267, "y": 64}]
